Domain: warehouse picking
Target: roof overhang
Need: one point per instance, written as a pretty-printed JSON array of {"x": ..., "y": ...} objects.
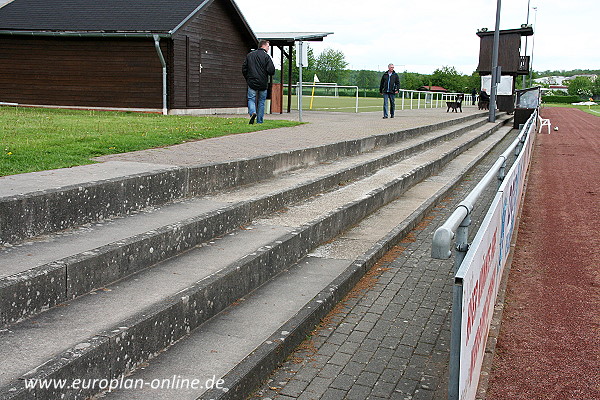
[
  {"x": 526, "y": 30},
  {"x": 289, "y": 38}
]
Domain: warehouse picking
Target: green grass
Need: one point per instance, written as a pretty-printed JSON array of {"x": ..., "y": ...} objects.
[
  {"x": 34, "y": 139},
  {"x": 348, "y": 103},
  {"x": 594, "y": 110}
]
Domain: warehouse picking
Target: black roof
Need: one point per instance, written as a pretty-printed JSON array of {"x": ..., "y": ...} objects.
[
  {"x": 147, "y": 16},
  {"x": 524, "y": 31}
]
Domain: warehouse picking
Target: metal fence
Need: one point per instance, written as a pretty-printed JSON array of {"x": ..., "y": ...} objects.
[{"x": 405, "y": 99}]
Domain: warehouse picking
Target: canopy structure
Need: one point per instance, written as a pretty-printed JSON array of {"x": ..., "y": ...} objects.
[{"x": 288, "y": 39}]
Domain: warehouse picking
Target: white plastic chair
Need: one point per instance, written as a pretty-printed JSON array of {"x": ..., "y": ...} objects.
[{"x": 544, "y": 122}]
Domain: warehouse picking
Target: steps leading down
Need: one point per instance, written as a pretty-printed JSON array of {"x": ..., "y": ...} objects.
[{"x": 219, "y": 285}]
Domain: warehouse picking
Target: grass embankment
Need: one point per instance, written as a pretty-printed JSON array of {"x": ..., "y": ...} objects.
[{"x": 34, "y": 139}]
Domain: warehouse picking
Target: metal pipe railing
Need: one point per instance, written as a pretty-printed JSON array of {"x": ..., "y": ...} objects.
[{"x": 457, "y": 224}]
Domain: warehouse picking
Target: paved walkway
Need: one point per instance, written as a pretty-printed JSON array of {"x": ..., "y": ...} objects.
[{"x": 322, "y": 128}]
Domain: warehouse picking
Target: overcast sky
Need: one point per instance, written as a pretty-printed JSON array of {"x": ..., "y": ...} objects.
[{"x": 423, "y": 35}]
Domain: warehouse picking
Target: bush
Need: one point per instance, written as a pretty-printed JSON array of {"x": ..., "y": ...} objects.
[{"x": 561, "y": 99}]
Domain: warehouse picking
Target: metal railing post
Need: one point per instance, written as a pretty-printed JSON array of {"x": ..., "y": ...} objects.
[
  {"x": 454, "y": 365},
  {"x": 462, "y": 241},
  {"x": 403, "y": 95},
  {"x": 501, "y": 173}
]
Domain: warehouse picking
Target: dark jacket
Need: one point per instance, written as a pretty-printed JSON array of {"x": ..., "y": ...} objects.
[
  {"x": 394, "y": 83},
  {"x": 257, "y": 68}
]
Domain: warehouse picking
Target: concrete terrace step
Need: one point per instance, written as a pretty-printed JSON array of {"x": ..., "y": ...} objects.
[
  {"x": 50, "y": 201},
  {"x": 96, "y": 336},
  {"x": 49, "y": 270},
  {"x": 243, "y": 343}
]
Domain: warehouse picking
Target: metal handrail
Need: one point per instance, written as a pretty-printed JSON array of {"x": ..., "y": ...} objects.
[{"x": 460, "y": 218}]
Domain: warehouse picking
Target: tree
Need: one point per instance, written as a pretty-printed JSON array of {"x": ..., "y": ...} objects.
[
  {"x": 308, "y": 72},
  {"x": 367, "y": 79},
  {"x": 596, "y": 87},
  {"x": 450, "y": 79},
  {"x": 331, "y": 65},
  {"x": 412, "y": 80},
  {"x": 473, "y": 81},
  {"x": 580, "y": 86}
]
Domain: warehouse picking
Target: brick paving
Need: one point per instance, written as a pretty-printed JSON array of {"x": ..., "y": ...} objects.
[
  {"x": 321, "y": 128},
  {"x": 389, "y": 338}
]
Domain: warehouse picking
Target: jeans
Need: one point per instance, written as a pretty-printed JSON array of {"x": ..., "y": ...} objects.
[
  {"x": 392, "y": 98},
  {"x": 255, "y": 106}
]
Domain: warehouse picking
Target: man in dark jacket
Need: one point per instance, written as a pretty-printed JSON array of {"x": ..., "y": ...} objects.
[
  {"x": 389, "y": 86},
  {"x": 257, "y": 68},
  {"x": 473, "y": 96}
]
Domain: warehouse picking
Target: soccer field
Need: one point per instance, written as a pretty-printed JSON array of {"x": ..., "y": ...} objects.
[{"x": 348, "y": 104}]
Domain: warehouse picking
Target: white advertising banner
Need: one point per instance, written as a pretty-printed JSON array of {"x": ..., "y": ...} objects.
[
  {"x": 479, "y": 273},
  {"x": 512, "y": 192}
]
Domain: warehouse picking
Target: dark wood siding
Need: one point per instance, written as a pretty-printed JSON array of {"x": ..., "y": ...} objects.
[
  {"x": 508, "y": 53},
  {"x": 95, "y": 72},
  {"x": 208, "y": 56}
]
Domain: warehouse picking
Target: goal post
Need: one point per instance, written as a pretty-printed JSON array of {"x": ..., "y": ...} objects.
[{"x": 331, "y": 85}]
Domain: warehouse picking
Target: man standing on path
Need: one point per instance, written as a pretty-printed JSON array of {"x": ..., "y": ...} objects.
[
  {"x": 257, "y": 68},
  {"x": 389, "y": 86}
]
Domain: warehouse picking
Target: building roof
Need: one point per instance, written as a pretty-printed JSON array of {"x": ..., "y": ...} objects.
[
  {"x": 100, "y": 16},
  {"x": 434, "y": 88}
]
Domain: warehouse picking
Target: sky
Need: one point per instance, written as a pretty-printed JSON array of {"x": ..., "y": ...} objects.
[{"x": 424, "y": 35}]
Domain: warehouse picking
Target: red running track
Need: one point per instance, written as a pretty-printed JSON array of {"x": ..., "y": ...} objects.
[{"x": 549, "y": 343}]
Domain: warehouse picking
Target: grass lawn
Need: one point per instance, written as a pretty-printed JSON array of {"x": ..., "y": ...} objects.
[
  {"x": 348, "y": 103},
  {"x": 35, "y": 139},
  {"x": 594, "y": 110}
]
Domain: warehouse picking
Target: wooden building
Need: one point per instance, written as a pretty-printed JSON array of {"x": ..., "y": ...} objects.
[
  {"x": 174, "y": 56},
  {"x": 510, "y": 60}
]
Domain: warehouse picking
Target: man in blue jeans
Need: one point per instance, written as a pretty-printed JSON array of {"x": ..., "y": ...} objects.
[
  {"x": 389, "y": 86},
  {"x": 257, "y": 68}
]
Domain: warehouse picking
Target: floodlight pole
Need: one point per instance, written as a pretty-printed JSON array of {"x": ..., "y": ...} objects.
[
  {"x": 525, "y": 76},
  {"x": 495, "y": 77},
  {"x": 532, "y": 48}
]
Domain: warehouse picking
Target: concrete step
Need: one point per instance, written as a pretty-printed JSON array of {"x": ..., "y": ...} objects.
[
  {"x": 41, "y": 273},
  {"x": 50, "y": 201},
  {"x": 113, "y": 330},
  {"x": 239, "y": 347}
]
